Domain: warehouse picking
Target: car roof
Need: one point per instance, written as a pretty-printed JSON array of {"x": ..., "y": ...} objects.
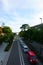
[
  {"x": 31, "y": 53},
  {"x": 25, "y": 46}
]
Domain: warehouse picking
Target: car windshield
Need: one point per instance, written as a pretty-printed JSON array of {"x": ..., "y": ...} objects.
[{"x": 25, "y": 48}]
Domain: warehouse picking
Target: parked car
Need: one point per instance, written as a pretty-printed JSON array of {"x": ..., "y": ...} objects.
[{"x": 32, "y": 57}]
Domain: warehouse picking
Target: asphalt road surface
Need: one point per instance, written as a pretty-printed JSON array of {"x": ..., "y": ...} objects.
[
  {"x": 17, "y": 53},
  {"x": 25, "y": 56},
  {"x": 14, "y": 55}
]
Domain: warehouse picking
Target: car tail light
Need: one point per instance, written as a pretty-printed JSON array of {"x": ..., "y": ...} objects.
[{"x": 30, "y": 60}]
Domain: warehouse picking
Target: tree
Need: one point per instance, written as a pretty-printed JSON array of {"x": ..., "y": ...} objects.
[
  {"x": 24, "y": 27},
  {"x": 1, "y": 39},
  {"x": 8, "y": 37},
  {"x": 6, "y": 29}
]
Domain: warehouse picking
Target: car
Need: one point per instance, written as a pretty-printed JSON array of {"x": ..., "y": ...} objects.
[
  {"x": 25, "y": 48},
  {"x": 32, "y": 57}
]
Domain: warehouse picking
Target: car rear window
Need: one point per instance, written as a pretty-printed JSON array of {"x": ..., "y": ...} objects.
[{"x": 33, "y": 57}]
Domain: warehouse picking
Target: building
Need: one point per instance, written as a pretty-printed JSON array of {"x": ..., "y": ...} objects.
[{"x": 38, "y": 26}]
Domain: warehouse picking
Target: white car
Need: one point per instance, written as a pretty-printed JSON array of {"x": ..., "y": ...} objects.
[{"x": 25, "y": 48}]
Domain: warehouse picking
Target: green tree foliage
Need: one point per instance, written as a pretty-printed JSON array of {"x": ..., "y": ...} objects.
[
  {"x": 5, "y": 38},
  {"x": 6, "y": 29},
  {"x": 1, "y": 39},
  {"x": 8, "y": 37},
  {"x": 35, "y": 34},
  {"x": 24, "y": 27}
]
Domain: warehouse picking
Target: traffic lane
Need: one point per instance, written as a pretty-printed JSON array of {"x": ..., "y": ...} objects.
[
  {"x": 20, "y": 55},
  {"x": 25, "y": 56},
  {"x": 14, "y": 55}
]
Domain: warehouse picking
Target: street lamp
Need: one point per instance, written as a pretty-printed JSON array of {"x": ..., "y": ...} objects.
[
  {"x": 41, "y": 20},
  {"x": 40, "y": 46}
]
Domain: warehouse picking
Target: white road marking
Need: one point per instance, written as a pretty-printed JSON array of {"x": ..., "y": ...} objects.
[{"x": 20, "y": 55}]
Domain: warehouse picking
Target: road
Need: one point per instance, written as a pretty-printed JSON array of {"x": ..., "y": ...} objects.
[
  {"x": 25, "y": 56},
  {"x": 17, "y": 54},
  {"x": 14, "y": 55}
]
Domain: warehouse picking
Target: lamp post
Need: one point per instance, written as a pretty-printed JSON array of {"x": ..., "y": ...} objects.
[
  {"x": 41, "y": 20},
  {"x": 40, "y": 46}
]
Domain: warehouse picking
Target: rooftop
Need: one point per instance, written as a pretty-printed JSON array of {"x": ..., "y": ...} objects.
[{"x": 31, "y": 53}]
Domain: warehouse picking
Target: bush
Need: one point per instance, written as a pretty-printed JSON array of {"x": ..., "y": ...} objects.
[
  {"x": 1, "y": 39},
  {"x": 8, "y": 47}
]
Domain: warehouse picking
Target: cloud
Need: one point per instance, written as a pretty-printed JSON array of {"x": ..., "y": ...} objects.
[
  {"x": 22, "y": 4},
  {"x": 5, "y": 5},
  {"x": 17, "y": 12}
]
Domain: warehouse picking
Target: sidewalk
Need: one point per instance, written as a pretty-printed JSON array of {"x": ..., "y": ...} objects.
[
  {"x": 3, "y": 54},
  {"x": 2, "y": 47},
  {"x": 7, "y": 56}
]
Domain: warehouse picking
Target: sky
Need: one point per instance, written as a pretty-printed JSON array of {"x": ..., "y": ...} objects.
[{"x": 14, "y": 13}]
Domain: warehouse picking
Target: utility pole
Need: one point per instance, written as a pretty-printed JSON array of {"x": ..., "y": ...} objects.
[{"x": 41, "y": 20}]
